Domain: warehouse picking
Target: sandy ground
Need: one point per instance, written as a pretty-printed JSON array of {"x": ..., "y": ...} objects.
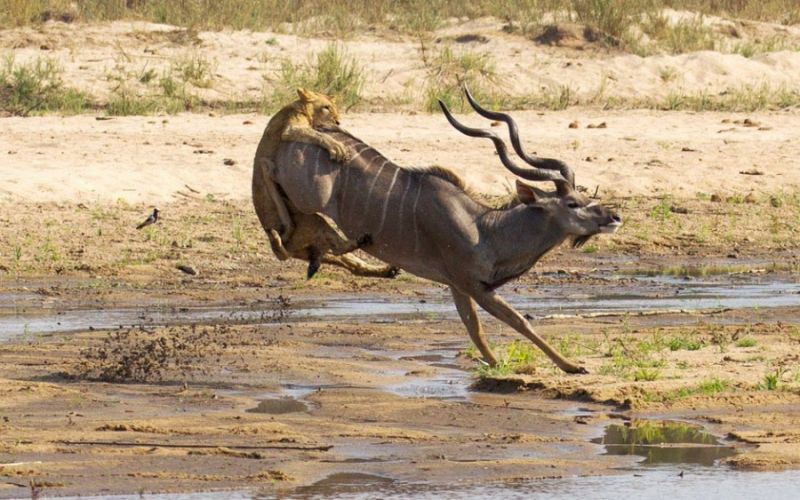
[
  {"x": 153, "y": 159},
  {"x": 243, "y": 60}
]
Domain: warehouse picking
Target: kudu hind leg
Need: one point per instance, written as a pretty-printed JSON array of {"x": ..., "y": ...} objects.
[
  {"x": 500, "y": 309},
  {"x": 469, "y": 315}
]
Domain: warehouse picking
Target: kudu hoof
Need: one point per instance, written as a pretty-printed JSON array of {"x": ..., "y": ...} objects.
[
  {"x": 576, "y": 370},
  {"x": 392, "y": 272}
]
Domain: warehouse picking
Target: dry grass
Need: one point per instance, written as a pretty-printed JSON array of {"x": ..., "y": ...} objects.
[{"x": 612, "y": 18}]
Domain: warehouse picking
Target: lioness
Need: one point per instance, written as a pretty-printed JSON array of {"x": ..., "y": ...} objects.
[{"x": 307, "y": 237}]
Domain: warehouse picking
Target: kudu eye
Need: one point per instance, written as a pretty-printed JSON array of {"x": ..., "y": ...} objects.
[{"x": 572, "y": 204}]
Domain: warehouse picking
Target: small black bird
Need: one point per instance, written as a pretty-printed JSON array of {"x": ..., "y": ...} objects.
[{"x": 150, "y": 220}]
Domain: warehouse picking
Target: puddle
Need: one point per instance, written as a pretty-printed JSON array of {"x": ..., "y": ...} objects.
[
  {"x": 613, "y": 295},
  {"x": 277, "y": 406},
  {"x": 655, "y": 484},
  {"x": 664, "y": 442},
  {"x": 447, "y": 382},
  {"x": 453, "y": 389},
  {"x": 342, "y": 484}
]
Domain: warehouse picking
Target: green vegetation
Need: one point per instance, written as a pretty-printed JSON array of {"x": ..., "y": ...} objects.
[
  {"x": 771, "y": 380},
  {"x": 331, "y": 71},
  {"x": 746, "y": 342},
  {"x": 515, "y": 357},
  {"x": 646, "y": 374},
  {"x": 685, "y": 342},
  {"x": 194, "y": 69},
  {"x": 707, "y": 387},
  {"x": 632, "y": 356},
  {"x": 146, "y": 91},
  {"x": 36, "y": 87},
  {"x": 449, "y": 70}
]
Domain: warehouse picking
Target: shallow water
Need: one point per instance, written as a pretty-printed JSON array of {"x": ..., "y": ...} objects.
[
  {"x": 651, "y": 483},
  {"x": 613, "y": 296}
]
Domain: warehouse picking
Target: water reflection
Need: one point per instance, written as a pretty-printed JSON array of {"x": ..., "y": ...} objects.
[{"x": 664, "y": 442}]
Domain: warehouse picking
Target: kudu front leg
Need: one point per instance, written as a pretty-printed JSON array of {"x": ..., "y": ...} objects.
[
  {"x": 500, "y": 309},
  {"x": 469, "y": 315}
]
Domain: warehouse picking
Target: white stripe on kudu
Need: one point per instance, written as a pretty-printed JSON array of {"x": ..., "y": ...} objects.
[
  {"x": 374, "y": 181},
  {"x": 414, "y": 212},
  {"x": 387, "y": 197}
]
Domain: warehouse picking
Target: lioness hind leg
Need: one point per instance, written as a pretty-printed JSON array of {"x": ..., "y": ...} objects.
[
  {"x": 360, "y": 268},
  {"x": 276, "y": 243},
  {"x": 272, "y": 191}
]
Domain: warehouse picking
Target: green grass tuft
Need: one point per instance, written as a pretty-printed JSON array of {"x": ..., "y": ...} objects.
[
  {"x": 37, "y": 87},
  {"x": 331, "y": 71}
]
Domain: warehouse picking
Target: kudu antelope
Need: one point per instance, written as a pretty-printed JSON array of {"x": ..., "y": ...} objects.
[{"x": 424, "y": 221}]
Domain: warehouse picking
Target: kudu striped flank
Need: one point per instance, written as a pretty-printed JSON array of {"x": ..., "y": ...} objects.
[{"x": 422, "y": 220}]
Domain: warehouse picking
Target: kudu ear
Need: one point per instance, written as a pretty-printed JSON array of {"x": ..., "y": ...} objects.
[{"x": 526, "y": 193}]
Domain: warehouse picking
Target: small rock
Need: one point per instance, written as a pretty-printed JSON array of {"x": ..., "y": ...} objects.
[
  {"x": 471, "y": 38},
  {"x": 597, "y": 125},
  {"x": 752, "y": 171},
  {"x": 229, "y": 162},
  {"x": 574, "y": 124},
  {"x": 750, "y": 198},
  {"x": 688, "y": 150},
  {"x": 247, "y": 122},
  {"x": 202, "y": 151},
  {"x": 716, "y": 198},
  {"x": 750, "y": 123},
  {"x": 186, "y": 269},
  {"x": 678, "y": 210}
]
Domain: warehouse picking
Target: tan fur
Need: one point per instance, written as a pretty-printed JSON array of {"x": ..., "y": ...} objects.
[
  {"x": 296, "y": 122},
  {"x": 304, "y": 236}
]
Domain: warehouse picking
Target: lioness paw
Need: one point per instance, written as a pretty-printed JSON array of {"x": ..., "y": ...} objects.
[{"x": 338, "y": 152}]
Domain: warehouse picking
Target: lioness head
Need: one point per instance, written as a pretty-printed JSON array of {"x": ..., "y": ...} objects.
[{"x": 320, "y": 108}]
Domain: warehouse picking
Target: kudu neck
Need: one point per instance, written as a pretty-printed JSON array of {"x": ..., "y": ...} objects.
[{"x": 521, "y": 235}]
